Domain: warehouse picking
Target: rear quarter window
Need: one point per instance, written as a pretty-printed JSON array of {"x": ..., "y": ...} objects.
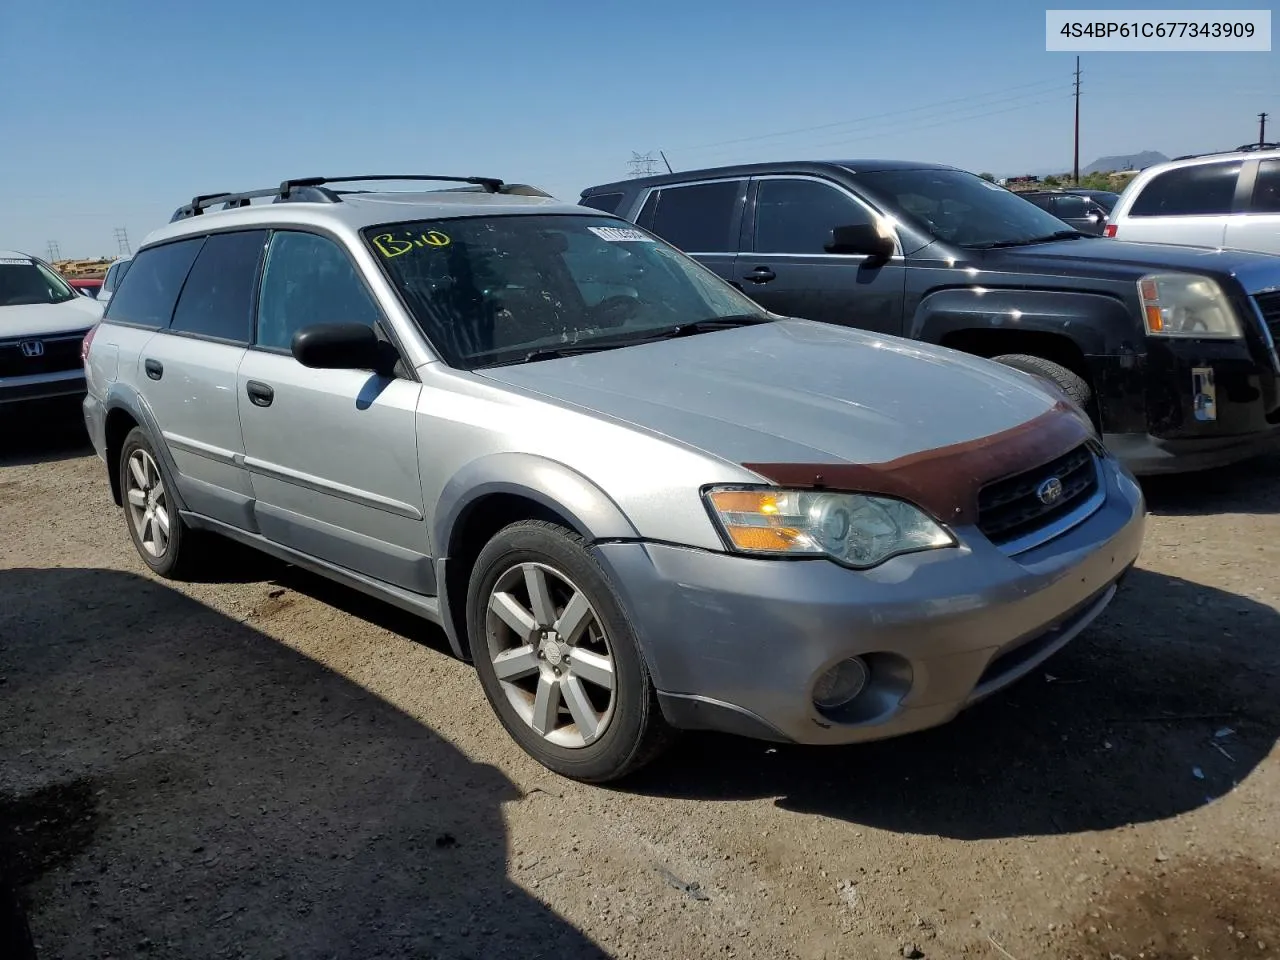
[
  {"x": 147, "y": 294},
  {"x": 605, "y": 202},
  {"x": 1205, "y": 189}
]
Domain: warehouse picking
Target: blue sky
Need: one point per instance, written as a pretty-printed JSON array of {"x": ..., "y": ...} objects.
[{"x": 115, "y": 113}]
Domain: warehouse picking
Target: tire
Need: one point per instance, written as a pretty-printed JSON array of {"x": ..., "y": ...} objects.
[
  {"x": 171, "y": 554},
  {"x": 1073, "y": 385},
  {"x": 550, "y": 693}
]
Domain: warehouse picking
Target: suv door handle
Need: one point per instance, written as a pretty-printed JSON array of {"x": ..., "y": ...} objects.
[
  {"x": 760, "y": 275},
  {"x": 154, "y": 368},
  {"x": 260, "y": 394}
]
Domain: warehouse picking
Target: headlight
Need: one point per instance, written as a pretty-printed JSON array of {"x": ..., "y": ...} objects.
[
  {"x": 854, "y": 529},
  {"x": 1186, "y": 305}
]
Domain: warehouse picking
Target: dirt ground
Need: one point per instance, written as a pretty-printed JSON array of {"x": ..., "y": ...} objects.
[{"x": 266, "y": 765}]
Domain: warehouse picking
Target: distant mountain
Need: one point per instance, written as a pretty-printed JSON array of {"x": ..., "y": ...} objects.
[{"x": 1128, "y": 161}]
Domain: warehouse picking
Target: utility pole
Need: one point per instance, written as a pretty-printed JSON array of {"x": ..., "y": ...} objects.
[
  {"x": 1075, "y": 166},
  {"x": 122, "y": 240},
  {"x": 1262, "y": 129},
  {"x": 54, "y": 253}
]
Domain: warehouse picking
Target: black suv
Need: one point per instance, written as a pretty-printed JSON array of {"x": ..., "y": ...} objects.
[
  {"x": 1084, "y": 213},
  {"x": 1171, "y": 349}
]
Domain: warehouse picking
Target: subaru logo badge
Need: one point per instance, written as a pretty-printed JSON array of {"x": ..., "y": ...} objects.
[
  {"x": 32, "y": 348},
  {"x": 1050, "y": 491}
]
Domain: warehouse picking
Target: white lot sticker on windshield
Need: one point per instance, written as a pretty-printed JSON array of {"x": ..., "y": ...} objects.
[
  {"x": 615, "y": 234},
  {"x": 13, "y": 262}
]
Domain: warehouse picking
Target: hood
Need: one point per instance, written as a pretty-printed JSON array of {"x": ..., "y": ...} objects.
[
  {"x": 792, "y": 391},
  {"x": 1099, "y": 255},
  {"x": 47, "y": 319}
]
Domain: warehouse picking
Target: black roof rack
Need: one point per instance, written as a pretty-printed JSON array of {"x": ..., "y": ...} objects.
[
  {"x": 313, "y": 190},
  {"x": 1244, "y": 148}
]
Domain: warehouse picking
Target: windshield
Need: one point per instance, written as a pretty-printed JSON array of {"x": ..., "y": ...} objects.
[
  {"x": 24, "y": 282},
  {"x": 959, "y": 207},
  {"x": 490, "y": 290}
]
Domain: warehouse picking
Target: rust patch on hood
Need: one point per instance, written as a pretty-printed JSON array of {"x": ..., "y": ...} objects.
[{"x": 945, "y": 480}]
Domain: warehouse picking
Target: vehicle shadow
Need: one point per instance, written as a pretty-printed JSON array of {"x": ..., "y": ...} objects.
[
  {"x": 42, "y": 433},
  {"x": 175, "y": 782},
  {"x": 1250, "y": 487},
  {"x": 1118, "y": 728}
]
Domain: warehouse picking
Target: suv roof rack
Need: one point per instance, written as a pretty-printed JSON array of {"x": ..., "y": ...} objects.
[
  {"x": 1244, "y": 148},
  {"x": 313, "y": 190}
]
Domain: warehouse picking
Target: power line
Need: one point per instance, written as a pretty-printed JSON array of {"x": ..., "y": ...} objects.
[
  {"x": 122, "y": 240},
  {"x": 55, "y": 254},
  {"x": 642, "y": 165},
  {"x": 928, "y": 107}
]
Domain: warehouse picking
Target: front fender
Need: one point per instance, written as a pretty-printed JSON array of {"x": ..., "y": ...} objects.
[{"x": 1098, "y": 324}]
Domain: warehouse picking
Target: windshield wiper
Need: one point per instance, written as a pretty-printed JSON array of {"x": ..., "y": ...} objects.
[
  {"x": 712, "y": 323},
  {"x": 651, "y": 336},
  {"x": 1059, "y": 235}
]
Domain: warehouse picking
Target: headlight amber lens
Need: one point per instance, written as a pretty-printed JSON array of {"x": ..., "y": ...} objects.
[{"x": 859, "y": 530}]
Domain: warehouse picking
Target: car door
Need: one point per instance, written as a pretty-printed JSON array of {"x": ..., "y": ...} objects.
[
  {"x": 1258, "y": 227},
  {"x": 332, "y": 454},
  {"x": 786, "y": 268},
  {"x": 700, "y": 219},
  {"x": 187, "y": 371},
  {"x": 1189, "y": 205}
]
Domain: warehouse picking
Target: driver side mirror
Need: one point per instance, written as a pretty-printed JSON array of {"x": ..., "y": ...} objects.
[
  {"x": 343, "y": 346},
  {"x": 861, "y": 239}
]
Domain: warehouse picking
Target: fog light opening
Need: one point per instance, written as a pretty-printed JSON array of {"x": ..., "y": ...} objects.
[{"x": 841, "y": 684}]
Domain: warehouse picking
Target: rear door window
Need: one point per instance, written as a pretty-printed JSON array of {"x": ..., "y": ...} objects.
[
  {"x": 1206, "y": 189},
  {"x": 701, "y": 218},
  {"x": 148, "y": 292},
  {"x": 1070, "y": 208},
  {"x": 1266, "y": 189},
  {"x": 606, "y": 202},
  {"x": 797, "y": 216},
  {"x": 217, "y": 299}
]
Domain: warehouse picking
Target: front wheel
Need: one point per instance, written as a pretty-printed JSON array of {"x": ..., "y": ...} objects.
[{"x": 557, "y": 658}]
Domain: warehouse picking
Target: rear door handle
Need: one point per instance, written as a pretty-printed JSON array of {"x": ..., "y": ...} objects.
[
  {"x": 154, "y": 368},
  {"x": 760, "y": 275},
  {"x": 260, "y": 394}
]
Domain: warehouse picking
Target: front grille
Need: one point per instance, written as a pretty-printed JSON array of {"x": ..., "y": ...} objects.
[
  {"x": 1011, "y": 508},
  {"x": 59, "y": 353},
  {"x": 1269, "y": 305}
]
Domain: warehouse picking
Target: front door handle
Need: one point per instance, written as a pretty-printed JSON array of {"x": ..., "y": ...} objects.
[
  {"x": 154, "y": 368},
  {"x": 260, "y": 394},
  {"x": 760, "y": 275}
]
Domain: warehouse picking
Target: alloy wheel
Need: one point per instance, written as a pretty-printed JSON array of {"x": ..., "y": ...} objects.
[{"x": 148, "y": 503}]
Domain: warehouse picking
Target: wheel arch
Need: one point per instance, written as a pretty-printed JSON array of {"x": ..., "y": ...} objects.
[
  {"x": 126, "y": 409},
  {"x": 493, "y": 491}
]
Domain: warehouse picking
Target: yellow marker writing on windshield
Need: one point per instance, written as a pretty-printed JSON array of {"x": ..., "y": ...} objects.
[{"x": 390, "y": 246}]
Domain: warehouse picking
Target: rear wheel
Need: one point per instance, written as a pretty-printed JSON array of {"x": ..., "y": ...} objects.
[
  {"x": 557, "y": 658},
  {"x": 1072, "y": 384},
  {"x": 159, "y": 533}
]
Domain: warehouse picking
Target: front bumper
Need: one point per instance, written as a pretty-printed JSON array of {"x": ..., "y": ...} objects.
[
  {"x": 42, "y": 386},
  {"x": 735, "y": 643},
  {"x": 1189, "y": 405}
]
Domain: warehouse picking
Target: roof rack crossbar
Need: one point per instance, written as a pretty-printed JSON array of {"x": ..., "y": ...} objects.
[
  {"x": 313, "y": 189},
  {"x": 491, "y": 184},
  {"x": 1243, "y": 148}
]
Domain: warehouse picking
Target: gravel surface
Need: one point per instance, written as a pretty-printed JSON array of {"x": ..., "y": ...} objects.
[{"x": 267, "y": 765}]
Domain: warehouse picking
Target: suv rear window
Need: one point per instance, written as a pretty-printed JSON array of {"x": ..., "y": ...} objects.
[
  {"x": 1201, "y": 190},
  {"x": 147, "y": 294},
  {"x": 217, "y": 299},
  {"x": 698, "y": 218}
]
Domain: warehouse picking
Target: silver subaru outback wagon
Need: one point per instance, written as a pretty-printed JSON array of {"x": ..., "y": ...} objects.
[{"x": 637, "y": 501}]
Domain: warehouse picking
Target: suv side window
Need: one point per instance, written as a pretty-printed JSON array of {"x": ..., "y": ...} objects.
[
  {"x": 1070, "y": 207},
  {"x": 1201, "y": 190},
  {"x": 308, "y": 279},
  {"x": 1266, "y": 189},
  {"x": 797, "y": 216},
  {"x": 147, "y": 294},
  {"x": 217, "y": 299},
  {"x": 698, "y": 218},
  {"x": 109, "y": 281},
  {"x": 606, "y": 202}
]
